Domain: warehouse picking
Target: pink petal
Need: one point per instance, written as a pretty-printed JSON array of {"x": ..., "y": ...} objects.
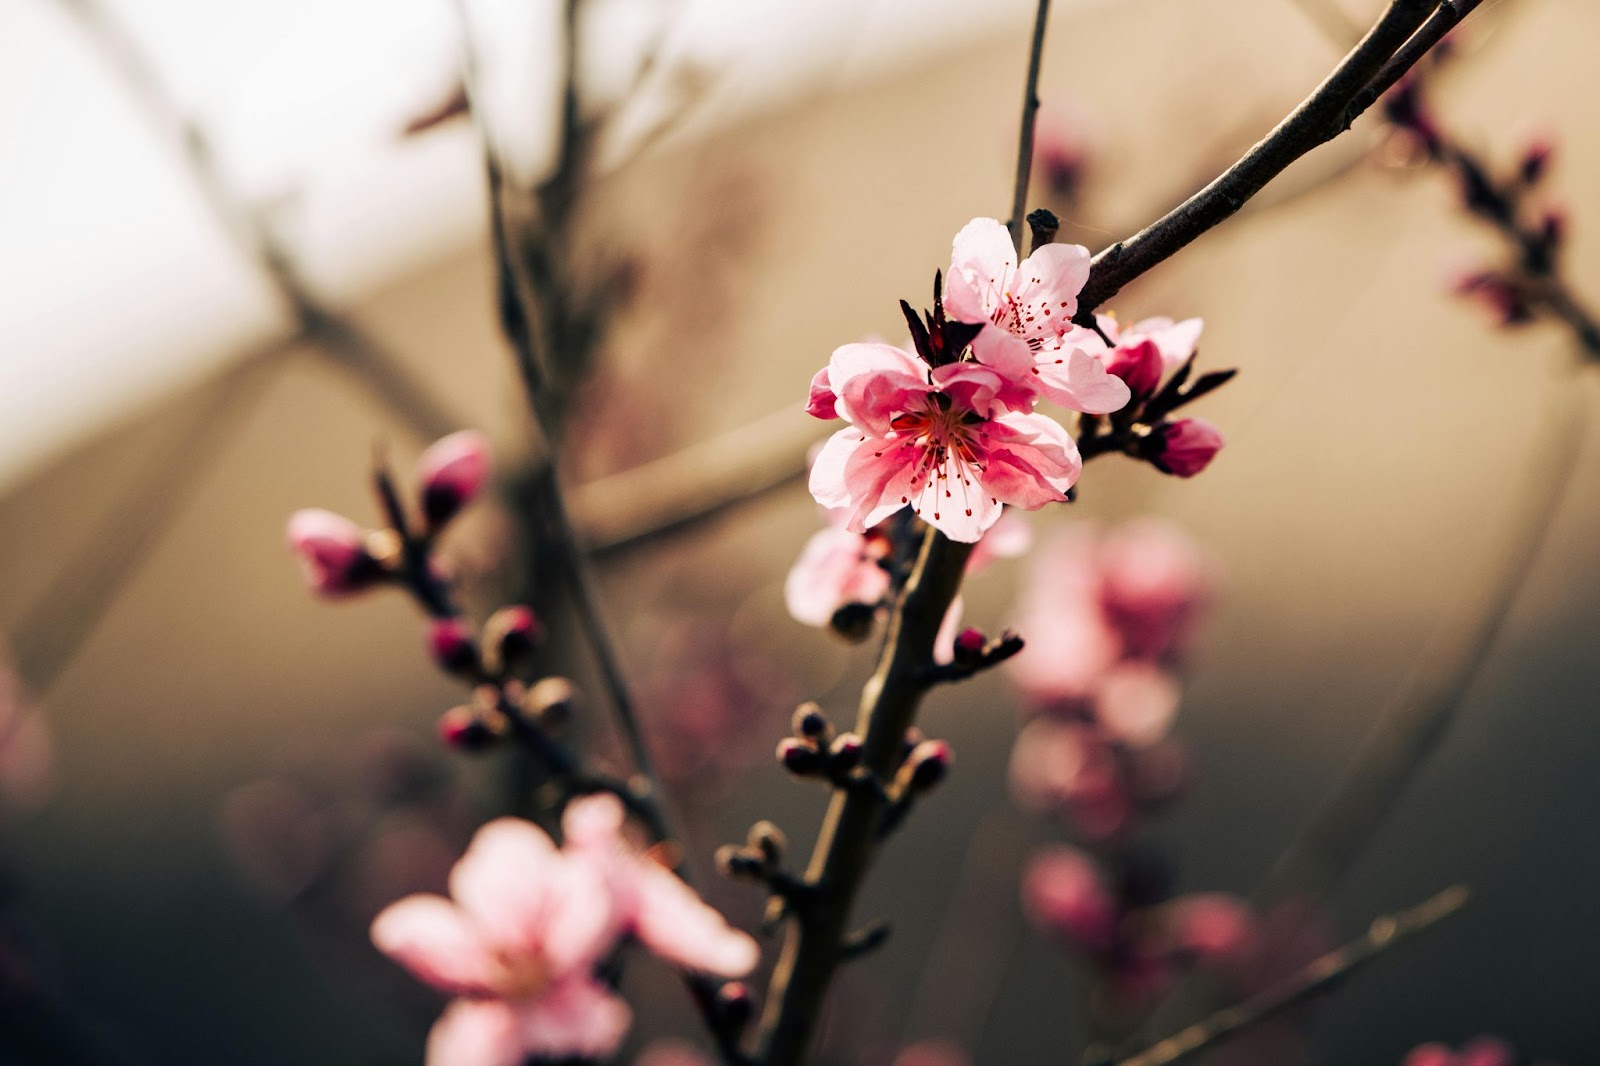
[
  {"x": 1187, "y": 446},
  {"x": 944, "y": 642},
  {"x": 832, "y": 571},
  {"x": 1175, "y": 340},
  {"x": 874, "y": 382},
  {"x": 432, "y": 938},
  {"x": 1063, "y": 892},
  {"x": 575, "y": 1017},
  {"x": 1217, "y": 928},
  {"x": 1047, "y": 286},
  {"x": 683, "y": 929},
  {"x": 982, "y": 260},
  {"x": 476, "y": 1033},
  {"x": 957, "y": 502},
  {"x": 869, "y": 477},
  {"x": 969, "y": 385},
  {"x": 331, "y": 550},
  {"x": 1031, "y": 461},
  {"x": 1137, "y": 702},
  {"x": 820, "y": 404},
  {"x": 453, "y": 469},
  {"x": 1079, "y": 381},
  {"x": 594, "y": 823}
]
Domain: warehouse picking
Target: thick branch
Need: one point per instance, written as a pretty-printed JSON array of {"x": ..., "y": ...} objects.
[
  {"x": 1314, "y": 977},
  {"x": 845, "y": 846},
  {"x": 1323, "y": 115}
]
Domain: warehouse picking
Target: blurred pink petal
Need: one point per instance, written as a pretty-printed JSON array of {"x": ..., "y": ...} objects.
[
  {"x": 1137, "y": 702},
  {"x": 431, "y": 937},
  {"x": 1065, "y": 893},
  {"x": 332, "y": 552},
  {"x": 451, "y": 473},
  {"x": 1214, "y": 927}
]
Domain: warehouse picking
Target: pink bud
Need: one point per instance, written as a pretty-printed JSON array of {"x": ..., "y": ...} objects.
[
  {"x": 1215, "y": 928},
  {"x": 1535, "y": 161},
  {"x": 512, "y": 633},
  {"x": 968, "y": 648},
  {"x": 1186, "y": 447},
  {"x": 928, "y": 764},
  {"x": 798, "y": 757},
  {"x": 1064, "y": 893},
  {"x": 821, "y": 402},
  {"x": 332, "y": 552},
  {"x": 451, "y": 473},
  {"x": 451, "y": 644},
  {"x": 464, "y": 728},
  {"x": 1139, "y": 365}
]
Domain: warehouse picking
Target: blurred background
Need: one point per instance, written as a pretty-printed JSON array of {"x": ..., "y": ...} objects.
[{"x": 243, "y": 243}]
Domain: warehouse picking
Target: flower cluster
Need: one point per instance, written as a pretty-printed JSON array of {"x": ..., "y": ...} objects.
[
  {"x": 949, "y": 429},
  {"x": 529, "y": 926},
  {"x": 1108, "y": 618}
]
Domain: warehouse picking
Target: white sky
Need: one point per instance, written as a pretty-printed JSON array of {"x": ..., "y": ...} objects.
[{"x": 116, "y": 283}]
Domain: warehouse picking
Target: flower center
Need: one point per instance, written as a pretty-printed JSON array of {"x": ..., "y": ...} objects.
[{"x": 523, "y": 975}]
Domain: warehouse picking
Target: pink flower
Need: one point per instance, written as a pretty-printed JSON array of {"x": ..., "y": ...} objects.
[
  {"x": 930, "y": 439},
  {"x": 1213, "y": 927},
  {"x": 451, "y": 473},
  {"x": 1070, "y": 641},
  {"x": 1153, "y": 581},
  {"x": 1483, "y": 1051},
  {"x": 529, "y": 923},
  {"x": 836, "y": 568},
  {"x": 1029, "y": 337},
  {"x": 1063, "y": 892},
  {"x": 1185, "y": 447},
  {"x": 651, "y": 902},
  {"x": 1136, "y": 702},
  {"x": 332, "y": 552}
]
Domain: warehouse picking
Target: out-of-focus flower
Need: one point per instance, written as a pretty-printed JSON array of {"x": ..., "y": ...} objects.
[
  {"x": 931, "y": 438},
  {"x": 519, "y": 943},
  {"x": 1185, "y": 447},
  {"x": 1061, "y": 149},
  {"x": 1028, "y": 311},
  {"x": 836, "y": 567},
  {"x": 1213, "y": 927},
  {"x": 332, "y": 552},
  {"x": 1064, "y": 893},
  {"x": 1483, "y": 1051},
  {"x": 1153, "y": 581},
  {"x": 450, "y": 474}
]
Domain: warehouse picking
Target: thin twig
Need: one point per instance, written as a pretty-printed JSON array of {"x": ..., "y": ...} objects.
[
  {"x": 1323, "y": 115},
  {"x": 1384, "y": 933},
  {"x": 1030, "y": 112}
]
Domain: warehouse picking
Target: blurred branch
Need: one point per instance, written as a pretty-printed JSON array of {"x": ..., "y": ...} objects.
[
  {"x": 377, "y": 370},
  {"x": 1316, "y": 976},
  {"x": 1401, "y": 36},
  {"x": 637, "y": 505},
  {"x": 49, "y": 634}
]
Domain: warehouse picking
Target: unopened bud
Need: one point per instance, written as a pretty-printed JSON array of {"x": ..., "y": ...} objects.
[
  {"x": 844, "y": 754},
  {"x": 968, "y": 648},
  {"x": 552, "y": 701},
  {"x": 1535, "y": 162},
  {"x": 809, "y": 722},
  {"x": 798, "y": 757},
  {"x": 853, "y": 621},
  {"x": 768, "y": 839},
  {"x": 820, "y": 404},
  {"x": 332, "y": 553},
  {"x": 466, "y": 728},
  {"x": 735, "y": 862},
  {"x": 1183, "y": 448},
  {"x": 928, "y": 765},
  {"x": 735, "y": 1003},
  {"x": 510, "y": 636},
  {"x": 1140, "y": 366},
  {"x": 450, "y": 474},
  {"x": 452, "y": 647}
]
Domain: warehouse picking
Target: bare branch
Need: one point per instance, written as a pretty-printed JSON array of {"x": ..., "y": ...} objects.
[{"x": 1316, "y": 976}]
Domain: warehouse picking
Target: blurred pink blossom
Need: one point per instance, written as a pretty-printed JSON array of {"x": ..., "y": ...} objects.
[
  {"x": 1214, "y": 927},
  {"x": 1483, "y": 1051},
  {"x": 519, "y": 943},
  {"x": 1064, "y": 893},
  {"x": 931, "y": 438}
]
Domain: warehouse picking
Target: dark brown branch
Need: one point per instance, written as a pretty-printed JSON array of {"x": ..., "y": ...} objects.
[
  {"x": 1316, "y": 976},
  {"x": 1030, "y": 112},
  {"x": 1323, "y": 115}
]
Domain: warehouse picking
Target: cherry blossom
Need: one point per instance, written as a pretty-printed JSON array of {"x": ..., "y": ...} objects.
[
  {"x": 1029, "y": 336},
  {"x": 451, "y": 473},
  {"x": 332, "y": 553},
  {"x": 1185, "y": 447},
  {"x": 934, "y": 439},
  {"x": 529, "y": 923}
]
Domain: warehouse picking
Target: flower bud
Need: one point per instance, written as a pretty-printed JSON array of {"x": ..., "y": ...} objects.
[
  {"x": 767, "y": 840},
  {"x": 853, "y": 621},
  {"x": 844, "y": 754},
  {"x": 798, "y": 757},
  {"x": 821, "y": 402},
  {"x": 809, "y": 722},
  {"x": 466, "y": 728},
  {"x": 1140, "y": 366},
  {"x": 968, "y": 649},
  {"x": 735, "y": 1003},
  {"x": 927, "y": 766},
  {"x": 450, "y": 474},
  {"x": 332, "y": 553},
  {"x": 1185, "y": 447},
  {"x": 552, "y": 701},
  {"x": 511, "y": 635},
  {"x": 452, "y": 647}
]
